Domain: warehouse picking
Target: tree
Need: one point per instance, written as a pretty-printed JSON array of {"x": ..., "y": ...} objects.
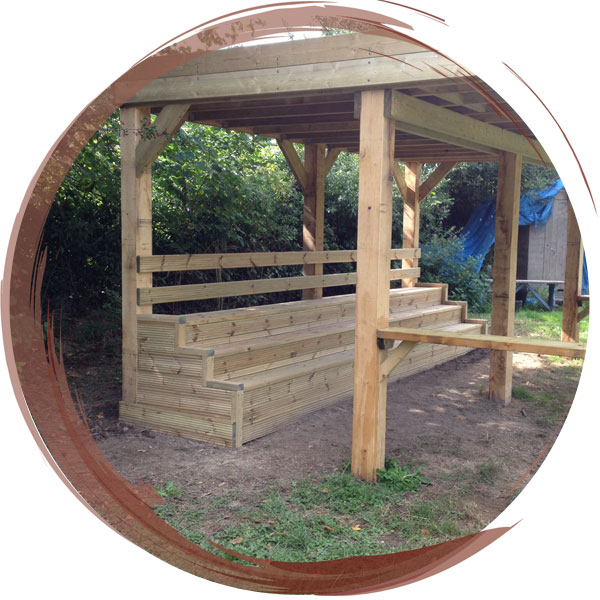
[{"x": 472, "y": 184}]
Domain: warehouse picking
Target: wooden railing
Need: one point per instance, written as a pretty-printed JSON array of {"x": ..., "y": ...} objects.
[
  {"x": 202, "y": 262},
  {"x": 205, "y": 291}
]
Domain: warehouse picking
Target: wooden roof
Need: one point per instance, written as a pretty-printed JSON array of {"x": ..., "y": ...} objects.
[{"x": 306, "y": 91}]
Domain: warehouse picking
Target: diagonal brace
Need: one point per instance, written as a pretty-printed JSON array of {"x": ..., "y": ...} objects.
[
  {"x": 395, "y": 357},
  {"x": 167, "y": 123}
]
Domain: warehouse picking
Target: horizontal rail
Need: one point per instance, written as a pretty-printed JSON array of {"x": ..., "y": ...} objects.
[
  {"x": 492, "y": 342},
  {"x": 200, "y": 262},
  {"x": 206, "y": 291}
]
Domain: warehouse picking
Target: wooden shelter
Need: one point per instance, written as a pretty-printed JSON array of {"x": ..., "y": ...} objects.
[{"x": 230, "y": 376}]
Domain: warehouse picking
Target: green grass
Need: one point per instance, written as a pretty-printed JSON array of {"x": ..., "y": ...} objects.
[
  {"x": 538, "y": 322},
  {"x": 489, "y": 471},
  {"x": 551, "y": 408},
  {"x": 171, "y": 491},
  {"x": 520, "y": 393},
  {"x": 541, "y": 323},
  {"x": 326, "y": 518}
]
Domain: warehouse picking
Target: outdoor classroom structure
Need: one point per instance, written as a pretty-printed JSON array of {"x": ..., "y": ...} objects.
[{"x": 230, "y": 376}]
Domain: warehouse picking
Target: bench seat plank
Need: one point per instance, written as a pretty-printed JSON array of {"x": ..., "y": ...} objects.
[{"x": 492, "y": 342}]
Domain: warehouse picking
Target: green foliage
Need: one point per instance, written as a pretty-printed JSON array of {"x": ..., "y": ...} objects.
[
  {"x": 442, "y": 261},
  {"x": 341, "y": 205},
  {"x": 82, "y": 232},
  {"x": 213, "y": 191},
  {"x": 471, "y": 184},
  {"x": 171, "y": 491},
  {"x": 399, "y": 478}
]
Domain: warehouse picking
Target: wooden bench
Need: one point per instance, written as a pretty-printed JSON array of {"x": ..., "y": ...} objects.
[{"x": 231, "y": 376}]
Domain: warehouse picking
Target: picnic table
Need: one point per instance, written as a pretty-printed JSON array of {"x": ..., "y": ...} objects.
[{"x": 526, "y": 285}]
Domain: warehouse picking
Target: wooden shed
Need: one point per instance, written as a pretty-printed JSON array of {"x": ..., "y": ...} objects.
[
  {"x": 541, "y": 250},
  {"x": 230, "y": 376}
]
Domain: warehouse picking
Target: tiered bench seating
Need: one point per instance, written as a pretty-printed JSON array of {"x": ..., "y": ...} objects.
[{"x": 231, "y": 376}]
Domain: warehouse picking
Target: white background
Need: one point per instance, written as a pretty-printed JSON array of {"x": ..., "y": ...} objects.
[{"x": 58, "y": 56}]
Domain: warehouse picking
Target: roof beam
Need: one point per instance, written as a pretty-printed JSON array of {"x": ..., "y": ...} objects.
[
  {"x": 296, "y": 52},
  {"x": 376, "y": 71},
  {"x": 427, "y": 120}
]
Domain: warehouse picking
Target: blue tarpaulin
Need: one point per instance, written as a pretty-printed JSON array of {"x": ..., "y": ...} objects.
[{"x": 477, "y": 235}]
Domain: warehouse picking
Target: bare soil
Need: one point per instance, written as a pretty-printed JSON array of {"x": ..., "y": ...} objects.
[{"x": 440, "y": 420}]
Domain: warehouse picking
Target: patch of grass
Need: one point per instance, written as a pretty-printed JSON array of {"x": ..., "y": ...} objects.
[
  {"x": 551, "y": 407},
  {"x": 539, "y": 322},
  {"x": 521, "y": 393},
  {"x": 536, "y": 321},
  {"x": 462, "y": 480},
  {"x": 401, "y": 479},
  {"x": 171, "y": 491},
  {"x": 489, "y": 471},
  {"x": 327, "y": 518}
]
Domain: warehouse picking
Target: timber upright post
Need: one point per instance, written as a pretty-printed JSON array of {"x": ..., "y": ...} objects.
[
  {"x": 505, "y": 272},
  {"x": 310, "y": 176},
  {"x": 136, "y": 240},
  {"x": 411, "y": 221},
  {"x": 573, "y": 271},
  {"x": 373, "y": 284},
  {"x": 314, "y": 211}
]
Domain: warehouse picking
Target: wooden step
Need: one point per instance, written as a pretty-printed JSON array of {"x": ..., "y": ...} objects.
[
  {"x": 286, "y": 372},
  {"x": 211, "y": 329},
  {"x": 235, "y": 359},
  {"x": 280, "y": 396},
  {"x": 243, "y": 373}
]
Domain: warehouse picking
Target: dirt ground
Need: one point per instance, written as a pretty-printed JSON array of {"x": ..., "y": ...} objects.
[{"x": 440, "y": 420}]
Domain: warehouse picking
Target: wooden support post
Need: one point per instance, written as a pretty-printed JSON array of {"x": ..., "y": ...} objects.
[
  {"x": 136, "y": 240},
  {"x": 505, "y": 272},
  {"x": 412, "y": 217},
  {"x": 573, "y": 271},
  {"x": 373, "y": 283},
  {"x": 314, "y": 211},
  {"x": 310, "y": 176}
]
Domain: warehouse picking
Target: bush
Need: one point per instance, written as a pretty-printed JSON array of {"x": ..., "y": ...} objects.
[{"x": 442, "y": 261}]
